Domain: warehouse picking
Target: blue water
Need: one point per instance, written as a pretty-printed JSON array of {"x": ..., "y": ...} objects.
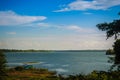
[{"x": 63, "y": 62}]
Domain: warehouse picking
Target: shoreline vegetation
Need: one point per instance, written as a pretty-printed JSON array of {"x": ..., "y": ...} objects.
[
  {"x": 32, "y": 50},
  {"x": 110, "y": 52},
  {"x": 19, "y": 73}
]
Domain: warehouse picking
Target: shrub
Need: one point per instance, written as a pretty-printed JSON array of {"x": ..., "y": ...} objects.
[
  {"x": 19, "y": 68},
  {"x": 117, "y": 51},
  {"x": 2, "y": 66}
]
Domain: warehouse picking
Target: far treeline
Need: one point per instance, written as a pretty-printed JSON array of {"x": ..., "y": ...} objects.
[{"x": 32, "y": 50}]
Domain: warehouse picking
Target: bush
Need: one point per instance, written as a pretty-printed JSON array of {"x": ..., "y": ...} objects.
[
  {"x": 2, "y": 66},
  {"x": 110, "y": 52},
  {"x": 117, "y": 51},
  {"x": 19, "y": 68}
]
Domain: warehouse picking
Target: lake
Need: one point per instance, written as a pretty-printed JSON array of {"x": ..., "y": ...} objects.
[{"x": 63, "y": 62}]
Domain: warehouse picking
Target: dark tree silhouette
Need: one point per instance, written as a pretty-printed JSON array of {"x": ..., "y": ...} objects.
[
  {"x": 2, "y": 66},
  {"x": 113, "y": 29},
  {"x": 117, "y": 51}
]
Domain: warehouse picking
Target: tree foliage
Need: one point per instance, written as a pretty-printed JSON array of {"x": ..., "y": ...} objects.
[
  {"x": 110, "y": 52},
  {"x": 116, "y": 48},
  {"x": 2, "y": 66},
  {"x": 112, "y": 28}
]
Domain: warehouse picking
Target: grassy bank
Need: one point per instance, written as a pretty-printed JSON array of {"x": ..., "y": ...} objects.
[{"x": 20, "y": 73}]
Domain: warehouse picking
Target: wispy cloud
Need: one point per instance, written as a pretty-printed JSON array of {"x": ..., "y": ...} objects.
[
  {"x": 74, "y": 28},
  {"x": 89, "y": 4},
  {"x": 11, "y": 33},
  {"x": 87, "y": 13},
  {"x": 80, "y": 29},
  {"x": 8, "y": 18},
  {"x": 38, "y": 24}
]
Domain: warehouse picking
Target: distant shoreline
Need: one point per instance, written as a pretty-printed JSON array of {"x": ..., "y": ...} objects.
[{"x": 32, "y": 50}]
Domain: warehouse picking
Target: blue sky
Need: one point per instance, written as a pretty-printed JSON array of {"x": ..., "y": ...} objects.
[{"x": 55, "y": 25}]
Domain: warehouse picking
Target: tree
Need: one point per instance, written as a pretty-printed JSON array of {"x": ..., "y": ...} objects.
[
  {"x": 2, "y": 66},
  {"x": 116, "y": 48},
  {"x": 110, "y": 52},
  {"x": 113, "y": 29}
]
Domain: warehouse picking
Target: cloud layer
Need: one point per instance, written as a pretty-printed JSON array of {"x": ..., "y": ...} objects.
[
  {"x": 90, "y": 4},
  {"x": 10, "y": 18},
  {"x": 72, "y": 42}
]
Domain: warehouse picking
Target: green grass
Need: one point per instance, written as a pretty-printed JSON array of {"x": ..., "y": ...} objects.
[{"x": 45, "y": 74}]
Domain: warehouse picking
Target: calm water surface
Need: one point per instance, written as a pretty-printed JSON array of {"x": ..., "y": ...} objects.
[{"x": 62, "y": 62}]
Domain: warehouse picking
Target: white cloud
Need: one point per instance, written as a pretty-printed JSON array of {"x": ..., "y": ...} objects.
[
  {"x": 11, "y": 33},
  {"x": 8, "y": 18},
  {"x": 38, "y": 24},
  {"x": 80, "y": 29},
  {"x": 92, "y": 4},
  {"x": 75, "y": 28}
]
